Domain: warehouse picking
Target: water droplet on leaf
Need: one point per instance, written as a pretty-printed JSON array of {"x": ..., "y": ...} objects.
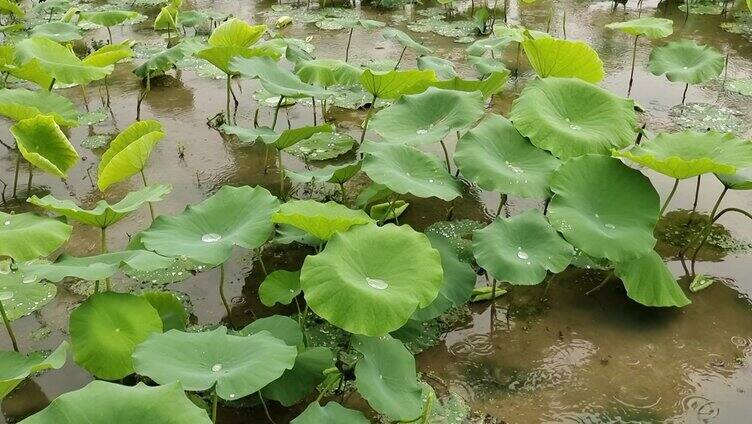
[
  {"x": 211, "y": 238},
  {"x": 376, "y": 283}
]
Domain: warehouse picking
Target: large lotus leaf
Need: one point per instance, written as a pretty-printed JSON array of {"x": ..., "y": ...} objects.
[
  {"x": 106, "y": 328},
  {"x": 689, "y": 153},
  {"x": 328, "y": 72},
  {"x": 128, "y": 152},
  {"x": 458, "y": 284},
  {"x": 686, "y": 61},
  {"x": 108, "y": 18},
  {"x": 102, "y": 402},
  {"x": 321, "y": 220},
  {"x": 405, "y": 40},
  {"x": 392, "y": 84},
  {"x": 103, "y": 214},
  {"x": 20, "y": 103},
  {"x": 444, "y": 68},
  {"x": 332, "y": 413},
  {"x": 207, "y": 232},
  {"x": 274, "y": 78},
  {"x": 521, "y": 249},
  {"x": 740, "y": 180},
  {"x": 15, "y": 367},
  {"x": 235, "y": 366},
  {"x": 59, "y": 61},
  {"x": 405, "y": 169},
  {"x": 554, "y": 57},
  {"x": 27, "y": 236},
  {"x": 109, "y": 54},
  {"x": 371, "y": 279},
  {"x": 649, "y": 282},
  {"x": 279, "y": 287},
  {"x": 496, "y": 157},
  {"x": 604, "y": 208},
  {"x": 166, "y": 59},
  {"x": 429, "y": 116},
  {"x": 650, "y": 27},
  {"x": 280, "y": 326},
  {"x": 292, "y": 136},
  {"x": 31, "y": 71},
  {"x": 41, "y": 142},
  {"x": 93, "y": 268},
  {"x": 493, "y": 83},
  {"x": 298, "y": 382},
  {"x": 385, "y": 377},
  {"x": 62, "y": 32},
  {"x": 222, "y": 56},
  {"x": 570, "y": 117},
  {"x": 21, "y": 295},
  {"x": 235, "y": 32},
  {"x": 9, "y": 7}
]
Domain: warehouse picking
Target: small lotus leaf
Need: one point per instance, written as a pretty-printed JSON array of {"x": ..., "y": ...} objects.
[
  {"x": 170, "y": 309},
  {"x": 650, "y": 27},
  {"x": 280, "y": 326},
  {"x": 279, "y": 287},
  {"x": 128, "y": 152},
  {"x": 109, "y": 18},
  {"x": 235, "y": 32},
  {"x": 321, "y": 220},
  {"x": 392, "y": 84},
  {"x": 109, "y": 54},
  {"x": 331, "y": 413},
  {"x": 322, "y": 146},
  {"x": 302, "y": 379},
  {"x": 41, "y": 142},
  {"x": 15, "y": 367},
  {"x": 686, "y": 61},
  {"x": 405, "y": 40},
  {"x": 649, "y": 282},
  {"x": 328, "y": 72}
]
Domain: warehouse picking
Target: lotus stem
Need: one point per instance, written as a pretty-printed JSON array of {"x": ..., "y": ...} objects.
[
  {"x": 109, "y": 33},
  {"x": 347, "y": 49},
  {"x": 517, "y": 61},
  {"x": 214, "y": 404},
  {"x": 564, "y": 23},
  {"x": 400, "y": 58},
  {"x": 602, "y": 283},
  {"x": 725, "y": 74},
  {"x": 86, "y": 98},
  {"x": 684, "y": 95},
  {"x": 281, "y": 170},
  {"x": 52, "y": 85},
  {"x": 708, "y": 226},
  {"x": 261, "y": 262},
  {"x": 313, "y": 99},
  {"x": 222, "y": 293},
  {"x": 8, "y": 327},
  {"x": 229, "y": 119},
  {"x": 323, "y": 110},
  {"x": 342, "y": 192},
  {"x": 142, "y": 96},
  {"x": 266, "y": 157},
  {"x": 668, "y": 199},
  {"x": 502, "y": 201},
  {"x": 686, "y": 14},
  {"x": 151, "y": 207},
  {"x": 368, "y": 118},
  {"x": 15, "y": 177},
  {"x": 706, "y": 234},
  {"x": 446, "y": 156},
  {"x": 697, "y": 195},
  {"x": 276, "y": 111},
  {"x": 103, "y": 247},
  {"x": 266, "y": 410},
  {"x": 631, "y": 72},
  {"x": 31, "y": 176}
]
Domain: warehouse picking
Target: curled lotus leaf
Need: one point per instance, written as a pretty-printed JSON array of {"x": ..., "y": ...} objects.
[
  {"x": 15, "y": 367},
  {"x": 740, "y": 180},
  {"x": 20, "y": 103},
  {"x": 41, "y": 142},
  {"x": 128, "y": 152},
  {"x": 649, "y": 282},
  {"x": 321, "y": 220},
  {"x": 554, "y": 57},
  {"x": 405, "y": 41}
]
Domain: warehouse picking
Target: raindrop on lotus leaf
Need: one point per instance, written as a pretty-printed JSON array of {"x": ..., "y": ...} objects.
[{"x": 211, "y": 238}]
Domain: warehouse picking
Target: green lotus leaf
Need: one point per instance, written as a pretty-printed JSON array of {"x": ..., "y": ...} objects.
[
  {"x": 109, "y": 18},
  {"x": 279, "y": 287},
  {"x": 321, "y": 220},
  {"x": 570, "y": 117},
  {"x": 742, "y": 86},
  {"x": 370, "y": 280},
  {"x": 322, "y": 146},
  {"x": 652, "y": 28},
  {"x": 331, "y": 413},
  {"x": 280, "y": 326},
  {"x": 251, "y": 135},
  {"x": 28, "y": 236},
  {"x": 444, "y": 68},
  {"x": 405, "y": 40},
  {"x": 689, "y": 153},
  {"x": 128, "y": 152},
  {"x": 428, "y": 117},
  {"x": 686, "y": 61},
  {"x": 392, "y": 84},
  {"x": 60, "y": 62},
  {"x": 521, "y": 249},
  {"x": 166, "y": 19},
  {"x": 31, "y": 71},
  {"x": 93, "y": 268},
  {"x": 235, "y": 32},
  {"x": 103, "y": 214},
  {"x": 20, "y": 103},
  {"x": 166, "y": 59},
  {"x": 207, "y": 232},
  {"x": 62, "y": 32},
  {"x": 405, "y": 169},
  {"x": 106, "y": 328},
  {"x": 41, "y": 142},
  {"x": 458, "y": 284},
  {"x": 740, "y": 180},
  {"x": 223, "y": 56},
  {"x": 496, "y": 157},
  {"x": 191, "y": 18},
  {"x": 493, "y": 83},
  {"x": 103, "y": 402},
  {"x": 15, "y": 367},
  {"x": 388, "y": 211},
  {"x": 21, "y": 295},
  {"x": 171, "y": 311},
  {"x": 338, "y": 174},
  {"x": 9, "y": 7},
  {"x": 293, "y": 136},
  {"x": 302, "y": 379},
  {"x": 235, "y": 366},
  {"x": 274, "y": 78},
  {"x": 649, "y": 282},
  {"x": 385, "y": 376},
  {"x": 328, "y": 72},
  {"x": 554, "y": 57},
  {"x": 109, "y": 54},
  {"x": 488, "y": 65},
  {"x": 596, "y": 217}
]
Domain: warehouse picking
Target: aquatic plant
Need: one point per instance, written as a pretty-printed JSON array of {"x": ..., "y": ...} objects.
[{"x": 686, "y": 61}]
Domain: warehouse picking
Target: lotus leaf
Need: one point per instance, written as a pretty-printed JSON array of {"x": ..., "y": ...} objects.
[
  {"x": 370, "y": 280},
  {"x": 493, "y": 83},
  {"x": 385, "y": 376},
  {"x": 164, "y": 60},
  {"x": 41, "y": 142},
  {"x": 28, "y": 236},
  {"x": 322, "y": 146},
  {"x": 106, "y": 328},
  {"x": 100, "y": 401},
  {"x": 686, "y": 61},
  {"x": 521, "y": 249},
  {"x": 494, "y": 44},
  {"x": 62, "y": 32},
  {"x": 222, "y": 56},
  {"x": 740, "y": 180},
  {"x": 103, "y": 214},
  {"x": 428, "y": 117},
  {"x": 57, "y": 60},
  {"x": 688, "y": 153},
  {"x": 650, "y": 27},
  {"x": 496, "y": 157},
  {"x": 275, "y": 79},
  {"x": 322, "y": 220},
  {"x": 280, "y": 326},
  {"x": 235, "y": 32},
  {"x": 21, "y": 296},
  {"x": 444, "y": 68},
  {"x": 604, "y": 208},
  {"x": 649, "y": 282},
  {"x": 331, "y": 413},
  {"x": 570, "y": 117},
  {"x": 279, "y": 287},
  {"x": 338, "y": 174},
  {"x": 15, "y": 367},
  {"x": 207, "y": 232},
  {"x": 109, "y": 54},
  {"x": 392, "y": 84},
  {"x": 328, "y": 72},
  {"x": 20, "y": 103},
  {"x": 108, "y": 18},
  {"x": 9, "y": 7},
  {"x": 235, "y": 366},
  {"x": 93, "y": 268},
  {"x": 292, "y": 136},
  {"x": 554, "y": 57},
  {"x": 405, "y": 40},
  {"x": 128, "y": 152}
]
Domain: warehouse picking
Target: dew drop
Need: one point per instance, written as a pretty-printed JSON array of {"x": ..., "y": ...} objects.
[
  {"x": 232, "y": 395},
  {"x": 522, "y": 255},
  {"x": 610, "y": 226},
  {"x": 7, "y": 222},
  {"x": 29, "y": 279},
  {"x": 376, "y": 283},
  {"x": 575, "y": 127},
  {"x": 211, "y": 238},
  {"x": 6, "y": 295},
  {"x": 685, "y": 68},
  {"x": 421, "y": 131},
  {"x": 216, "y": 367},
  {"x": 430, "y": 181}
]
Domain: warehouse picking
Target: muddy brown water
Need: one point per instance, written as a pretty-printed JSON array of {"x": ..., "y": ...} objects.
[{"x": 542, "y": 354}]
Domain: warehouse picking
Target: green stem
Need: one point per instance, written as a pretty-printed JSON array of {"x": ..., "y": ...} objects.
[
  {"x": 313, "y": 99},
  {"x": 52, "y": 85},
  {"x": 15, "y": 178},
  {"x": 8, "y": 327},
  {"x": 229, "y": 119},
  {"x": 347, "y": 49},
  {"x": 261, "y": 262},
  {"x": 368, "y": 118},
  {"x": 684, "y": 95},
  {"x": 222, "y": 293},
  {"x": 266, "y": 410},
  {"x": 631, "y": 73},
  {"x": 31, "y": 175},
  {"x": 502, "y": 201},
  {"x": 109, "y": 32},
  {"x": 103, "y": 247},
  {"x": 446, "y": 156},
  {"x": 281, "y": 170},
  {"x": 602, "y": 283},
  {"x": 707, "y": 227},
  {"x": 400, "y": 58},
  {"x": 151, "y": 207},
  {"x": 668, "y": 199},
  {"x": 712, "y": 221},
  {"x": 276, "y": 111},
  {"x": 214, "y": 405}
]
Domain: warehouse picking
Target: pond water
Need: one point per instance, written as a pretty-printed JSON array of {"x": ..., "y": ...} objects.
[{"x": 548, "y": 353}]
